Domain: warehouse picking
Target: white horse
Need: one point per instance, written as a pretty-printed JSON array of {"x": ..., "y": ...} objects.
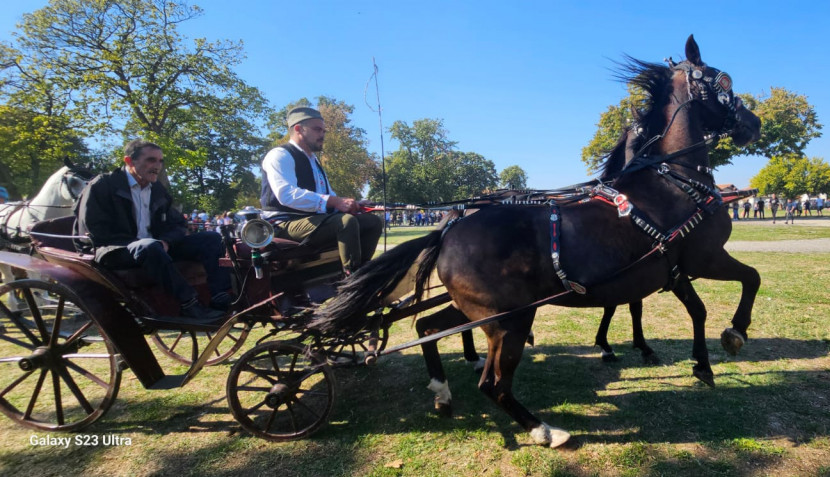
[{"x": 54, "y": 200}]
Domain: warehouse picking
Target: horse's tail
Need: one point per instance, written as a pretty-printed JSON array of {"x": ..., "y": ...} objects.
[{"x": 365, "y": 289}]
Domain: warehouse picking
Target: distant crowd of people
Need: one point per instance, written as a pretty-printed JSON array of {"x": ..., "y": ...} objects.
[
  {"x": 204, "y": 222},
  {"x": 419, "y": 218},
  {"x": 791, "y": 208}
]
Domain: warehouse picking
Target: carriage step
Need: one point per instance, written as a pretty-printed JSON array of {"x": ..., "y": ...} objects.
[
  {"x": 179, "y": 323},
  {"x": 169, "y": 382}
]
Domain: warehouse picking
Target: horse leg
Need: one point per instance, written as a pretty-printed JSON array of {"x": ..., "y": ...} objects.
[
  {"x": 726, "y": 268},
  {"x": 470, "y": 353},
  {"x": 601, "y": 339},
  {"x": 636, "y": 309},
  {"x": 434, "y": 323},
  {"x": 697, "y": 310},
  {"x": 504, "y": 354}
]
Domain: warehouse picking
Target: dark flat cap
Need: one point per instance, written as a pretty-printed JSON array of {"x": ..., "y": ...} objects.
[{"x": 301, "y": 114}]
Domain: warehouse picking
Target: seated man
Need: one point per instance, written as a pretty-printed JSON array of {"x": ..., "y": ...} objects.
[
  {"x": 296, "y": 195},
  {"x": 130, "y": 219}
]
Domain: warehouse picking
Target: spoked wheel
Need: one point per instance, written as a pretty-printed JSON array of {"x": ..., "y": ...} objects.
[
  {"x": 57, "y": 371},
  {"x": 279, "y": 392},
  {"x": 179, "y": 345},
  {"x": 352, "y": 351}
]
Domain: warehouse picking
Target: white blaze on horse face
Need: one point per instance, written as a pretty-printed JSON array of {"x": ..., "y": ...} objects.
[
  {"x": 441, "y": 390},
  {"x": 544, "y": 434}
]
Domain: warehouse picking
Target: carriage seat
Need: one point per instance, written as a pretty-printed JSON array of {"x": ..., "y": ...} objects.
[{"x": 57, "y": 246}]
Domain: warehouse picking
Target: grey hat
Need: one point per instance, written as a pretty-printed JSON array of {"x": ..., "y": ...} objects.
[{"x": 302, "y": 113}]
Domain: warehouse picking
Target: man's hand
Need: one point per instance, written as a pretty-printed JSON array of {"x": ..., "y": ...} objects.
[{"x": 343, "y": 204}]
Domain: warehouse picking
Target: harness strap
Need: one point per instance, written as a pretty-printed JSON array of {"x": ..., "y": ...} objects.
[{"x": 554, "y": 251}]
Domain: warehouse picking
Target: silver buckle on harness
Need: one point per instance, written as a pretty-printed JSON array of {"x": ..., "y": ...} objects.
[{"x": 663, "y": 169}]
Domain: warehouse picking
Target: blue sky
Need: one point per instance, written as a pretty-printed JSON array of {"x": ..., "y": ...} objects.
[{"x": 518, "y": 82}]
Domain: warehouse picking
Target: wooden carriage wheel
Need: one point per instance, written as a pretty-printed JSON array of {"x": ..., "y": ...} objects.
[
  {"x": 57, "y": 371},
  {"x": 278, "y": 391},
  {"x": 180, "y": 345}
]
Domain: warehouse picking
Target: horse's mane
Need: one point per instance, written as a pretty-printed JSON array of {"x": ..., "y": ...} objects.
[{"x": 654, "y": 80}]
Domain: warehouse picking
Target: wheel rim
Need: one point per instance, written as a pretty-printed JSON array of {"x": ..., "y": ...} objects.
[
  {"x": 179, "y": 344},
  {"x": 57, "y": 372},
  {"x": 277, "y": 392}
]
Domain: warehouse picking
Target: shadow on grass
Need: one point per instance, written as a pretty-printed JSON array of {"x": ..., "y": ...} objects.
[{"x": 566, "y": 386}]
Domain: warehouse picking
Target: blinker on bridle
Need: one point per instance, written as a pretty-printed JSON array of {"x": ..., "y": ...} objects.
[{"x": 720, "y": 85}]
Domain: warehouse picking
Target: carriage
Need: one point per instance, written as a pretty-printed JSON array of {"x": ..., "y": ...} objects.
[
  {"x": 660, "y": 225},
  {"x": 69, "y": 334}
]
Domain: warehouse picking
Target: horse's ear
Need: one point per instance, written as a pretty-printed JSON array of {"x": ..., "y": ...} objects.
[
  {"x": 636, "y": 114},
  {"x": 68, "y": 162},
  {"x": 693, "y": 52}
]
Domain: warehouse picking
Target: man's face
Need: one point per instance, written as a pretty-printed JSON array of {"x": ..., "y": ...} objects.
[
  {"x": 146, "y": 167},
  {"x": 313, "y": 133}
]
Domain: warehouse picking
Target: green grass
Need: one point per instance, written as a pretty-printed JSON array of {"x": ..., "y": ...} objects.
[
  {"x": 779, "y": 231},
  {"x": 768, "y": 415}
]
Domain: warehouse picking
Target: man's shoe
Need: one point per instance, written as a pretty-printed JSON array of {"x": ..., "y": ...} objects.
[
  {"x": 197, "y": 311},
  {"x": 221, "y": 301}
]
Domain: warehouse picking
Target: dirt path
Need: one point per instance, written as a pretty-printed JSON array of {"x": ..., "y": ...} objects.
[{"x": 792, "y": 246}]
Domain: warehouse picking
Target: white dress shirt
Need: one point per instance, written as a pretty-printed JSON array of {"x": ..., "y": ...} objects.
[
  {"x": 278, "y": 165},
  {"x": 141, "y": 206}
]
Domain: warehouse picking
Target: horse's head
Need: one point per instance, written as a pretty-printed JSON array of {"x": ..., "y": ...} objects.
[
  {"x": 702, "y": 93},
  {"x": 74, "y": 177},
  {"x": 720, "y": 109}
]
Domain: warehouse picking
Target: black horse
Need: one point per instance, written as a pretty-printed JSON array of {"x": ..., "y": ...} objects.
[{"x": 666, "y": 225}]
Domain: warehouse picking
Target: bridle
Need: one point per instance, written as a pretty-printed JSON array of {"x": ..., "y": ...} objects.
[
  {"x": 720, "y": 85},
  {"x": 75, "y": 174}
]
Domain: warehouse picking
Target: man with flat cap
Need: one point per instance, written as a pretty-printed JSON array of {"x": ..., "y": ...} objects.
[{"x": 297, "y": 197}]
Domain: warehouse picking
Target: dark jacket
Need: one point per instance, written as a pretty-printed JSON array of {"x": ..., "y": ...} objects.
[{"x": 104, "y": 212}]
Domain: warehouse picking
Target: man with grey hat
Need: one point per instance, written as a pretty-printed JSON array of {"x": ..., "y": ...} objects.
[{"x": 297, "y": 197}]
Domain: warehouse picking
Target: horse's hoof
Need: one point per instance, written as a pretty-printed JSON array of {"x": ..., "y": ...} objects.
[
  {"x": 478, "y": 366},
  {"x": 546, "y": 435},
  {"x": 732, "y": 341},
  {"x": 651, "y": 359},
  {"x": 609, "y": 357},
  {"x": 443, "y": 409},
  {"x": 707, "y": 377}
]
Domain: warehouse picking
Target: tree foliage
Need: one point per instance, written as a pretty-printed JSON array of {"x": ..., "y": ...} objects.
[
  {"x": 513, "y": 177},
  {"x": 789, "y": 122},
  {"x": 793, "y": 175},
  {"x": 123, "y": 66},
  {"x": 32, "y": 145},
  {"x": 427, "y": 168}
]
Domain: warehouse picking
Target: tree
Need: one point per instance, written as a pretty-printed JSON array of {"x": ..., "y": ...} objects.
[
  {"x": 788, "y": 123},
  {"x": 793, "y": 175},
  {"x": 426, "y": 168},
  {"x": 472, "y": 175},
  {"x": 33, "y": 145},
  {"x": 124, "y": 63},
  {"x": 348, "y": 164},
  {"x": 611, "y": 125},
  {"x": 513, "y": 177}
]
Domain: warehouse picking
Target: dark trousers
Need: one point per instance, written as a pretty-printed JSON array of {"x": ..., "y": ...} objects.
[
  {"x": 356, "y": 235},
  {"x": 149, "y": 254}
]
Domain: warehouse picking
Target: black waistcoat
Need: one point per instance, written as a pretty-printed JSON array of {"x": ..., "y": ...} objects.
[{"x": 305, "y": 180}]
